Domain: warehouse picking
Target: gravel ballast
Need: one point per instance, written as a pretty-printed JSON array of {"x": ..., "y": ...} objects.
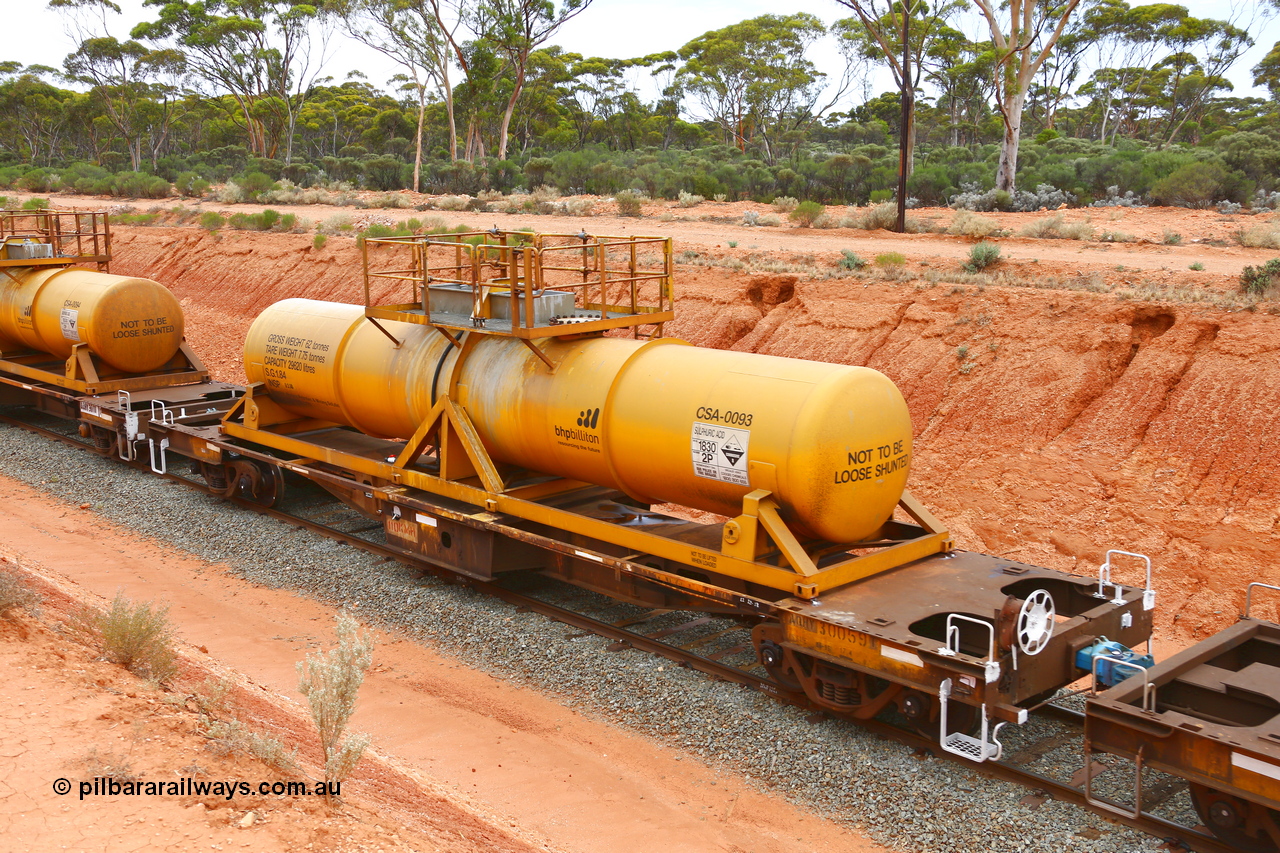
[{"x": 897, "y": 797}]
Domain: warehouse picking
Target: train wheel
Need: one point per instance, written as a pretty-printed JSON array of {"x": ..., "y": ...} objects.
[
  {"x": 252, "y": 481},
  {"x": 1244, "y": 825},
  {"x": 774, "y": 659},
  {"x": 921, "y": 713}
]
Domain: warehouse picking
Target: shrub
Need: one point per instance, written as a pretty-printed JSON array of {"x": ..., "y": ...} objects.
[
  {"x": 981, "y": 256},
  {"x": 881, "y": 216},
  {"x": 769, "y": 220},
  {"x": 390, "y": 200},
  {"x": 244, "y": 222},
  {"x": 140, "y": 185},
  {"x": 538, "y": 168},
  {"x": 330, "y": 681},
  {"x": 1261, "y": 281},
  {"x": 1171, "y": 238},
  {"x": 1197, "y": 266},
  {"x": 377, "y": 230},
  {"x": 39, "y": 181},
  {"x": 720, "y": 198},
  {"x": 750, "y": 218},
  {"x": 1260, "y": 237},
  {"x": 36, "y": 204},
  {"x": 267, "y": 220},
  {"x": 234, "y": 736},
  {"x": 1057, "y": 227},
  {"x": 966, "y": 223},
  {"x": 806, "y": 213},
  {"x": 211, "y": 220},
  {"x": 14, "y": 595},
  {"x": 628, "y": 203},
  {"x": 255, "y": 184},
  {"x": 1114, "y": 199},
  {"x": 850, "y": 260},
  {"x": 1200, "y": 184},
  {"x": 453, "y": 202},
  {"x": 339, "y": 222},
  {"x": 545, "y": 192},
  {"x": 135, "y": 218},
  {"x": 1044, "y": 197},
  {"x": 319, "y": 241},
  {"x": 890, "y": 259},
  {"x": 138, "y": 637},
  {"x": 229, "y": 193},
  {"x": 689, "y": 199},
  {"x": 577, "y": 207},
  {"x": 785, "y": 204}
]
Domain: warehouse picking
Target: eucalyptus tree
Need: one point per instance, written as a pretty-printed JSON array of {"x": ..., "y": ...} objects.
[
  {"x": 514, "y": 29},
  {"x": 137, "y": 88},
  {"x": 597, "y": 90},
  {"x": 876, "y": 33},
  {"x": 1024, "y": 33},
  {"x": 754, "y": 78},
  {"x": 1203, "y": 51},
  {"x": 961, "y": 72},
  {"x": 266, "y": 54},
  {"x": 34, "y": 114},
  {"x": 412, "y": 34}
]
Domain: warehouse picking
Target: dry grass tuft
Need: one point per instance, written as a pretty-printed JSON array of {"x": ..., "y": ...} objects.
[{"x": 1056, "y": 227}]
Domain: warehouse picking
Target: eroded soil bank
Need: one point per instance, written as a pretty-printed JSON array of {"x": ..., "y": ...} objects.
[{"x": 1051, "y": 424}]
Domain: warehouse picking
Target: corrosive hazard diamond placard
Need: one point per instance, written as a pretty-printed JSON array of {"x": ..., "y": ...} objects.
[{"x": 720, "y": 453}]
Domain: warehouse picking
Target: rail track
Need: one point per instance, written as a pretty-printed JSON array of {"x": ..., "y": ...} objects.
[{"x": 721, "y": 647}]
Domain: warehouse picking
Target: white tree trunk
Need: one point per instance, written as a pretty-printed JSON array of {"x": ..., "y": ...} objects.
[{"x": 1006, "y": 173}]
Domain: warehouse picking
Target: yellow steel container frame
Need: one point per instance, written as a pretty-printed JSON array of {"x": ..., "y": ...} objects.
[
  {"x": 659, "y": 420},
  {"x": 133, "y": 324}
]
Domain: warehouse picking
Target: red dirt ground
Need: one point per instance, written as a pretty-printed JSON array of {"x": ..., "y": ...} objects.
[{"x": 464, "y": 762}]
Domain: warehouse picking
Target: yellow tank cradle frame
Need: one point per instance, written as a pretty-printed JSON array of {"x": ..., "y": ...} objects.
[
  {"x": 36, "y": 240},
  {"x": 756, "y": 547}
]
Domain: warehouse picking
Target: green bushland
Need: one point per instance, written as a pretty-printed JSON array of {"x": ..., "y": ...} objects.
[{"x": 855, "y": 166}]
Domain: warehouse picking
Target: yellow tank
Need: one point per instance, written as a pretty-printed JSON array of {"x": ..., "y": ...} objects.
[
  {"x": 133, "y": 324},
  {"x": 661, "y": 420}
]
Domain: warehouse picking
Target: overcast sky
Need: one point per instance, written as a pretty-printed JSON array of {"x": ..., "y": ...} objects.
[{"x": 610, "y": 28}]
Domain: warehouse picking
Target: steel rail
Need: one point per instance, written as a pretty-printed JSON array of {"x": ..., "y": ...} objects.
[{"x": 1058, "y": 789}]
